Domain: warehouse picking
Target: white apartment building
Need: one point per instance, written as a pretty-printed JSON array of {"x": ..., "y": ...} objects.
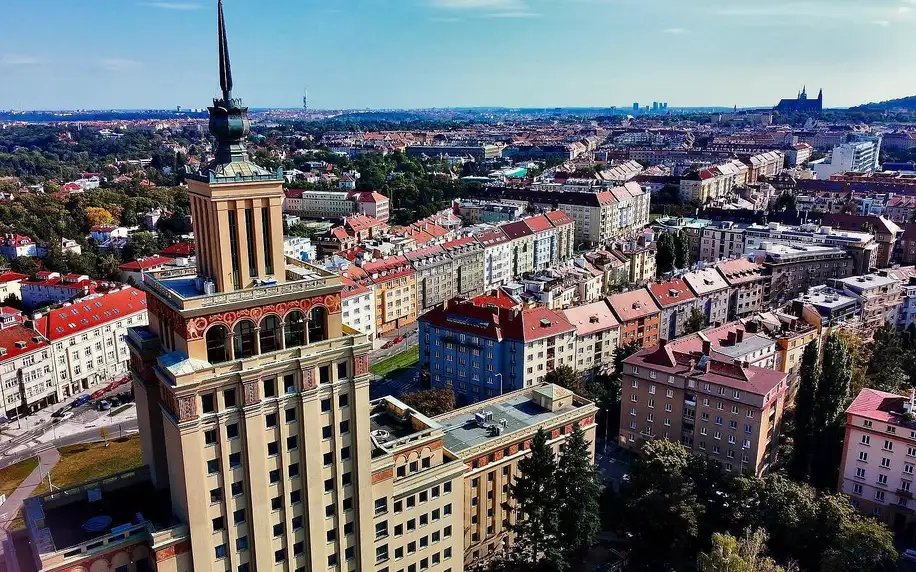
[
  {"x": 721, "y": 241},
  {"x": 861, "y": 157},
  {"x": 27, "y": 381},
  {"x": 712, "y": 292},
  {"x": 300, "y": 248},
  {"x": 87, "y": 337},
  {"x": 358, "y": 306},
  {"x": 497, "y": 258}
]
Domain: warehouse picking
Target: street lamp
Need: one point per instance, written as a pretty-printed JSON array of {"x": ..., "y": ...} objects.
[{"x": 500, "y": 376}]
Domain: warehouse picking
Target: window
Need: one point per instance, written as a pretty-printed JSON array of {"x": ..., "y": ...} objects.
[
  {"x": 343, "y": 400},
  {"x": 290, "y": 415},
  {"x": 292, "y": 442},
  {"x": 220, "y": 551},
  {"x": 235, "y": 460},
  {"x": 270, "y": 420},
  {"x": 238, "y": 517},
  {"x": 237, "y": 489},
  {"x": 882, "y": 479},
  {"x": 232, "y": 431},
  {"x": 206, "y": 403},
  {"x": 241, "y": 543},
  {"x": 344, "y": 427},
  {"x": 888, "y": 445},
  {"x": 325, "y": 405},
  {"x": 863, "y": 456},
  {"x": 885, "y": 463},
  {"x": 270, "y": 388},
  {"x": 210, "y": 436},
  {"x": 295, "y": 497},
  {"x": 229, "y": 398},
  {"x": 212, "y": 466},
  {"x": 218, "y": 524},
  {"x": 381, "y": 505}
]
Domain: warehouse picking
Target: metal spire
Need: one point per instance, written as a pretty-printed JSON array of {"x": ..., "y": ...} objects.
[{"x": 225, "y": 67}]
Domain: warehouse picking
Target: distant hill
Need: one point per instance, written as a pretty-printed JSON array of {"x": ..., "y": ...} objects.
[{"x": 907, "y": 103}]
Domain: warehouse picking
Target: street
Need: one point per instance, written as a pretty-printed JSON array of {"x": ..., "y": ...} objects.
[{"x": 613, "y": 464}]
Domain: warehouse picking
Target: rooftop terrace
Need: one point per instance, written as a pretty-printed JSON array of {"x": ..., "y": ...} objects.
[{"x": 185, "y": 290}]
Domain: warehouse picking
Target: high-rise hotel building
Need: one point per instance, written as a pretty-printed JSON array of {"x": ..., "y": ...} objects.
[{"x": 263, "y": 451}]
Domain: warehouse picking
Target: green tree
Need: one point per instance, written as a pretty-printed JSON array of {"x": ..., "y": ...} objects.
[
  {"x": 860, "y": 545},
  {"x": 885, "y": 369},
  {"x": 803, "y": 437},
  {"x": 663, "y": 511},
  {"x": 24, "y": 265},
  {"x": 785, "y": 202},
  {"x": 664, "y": 254},
  {"x": 729, "y": 554},
  {"x": 430, "y": 402},
  {"x": 577, "y": 497},
  {"x": 831, "y": 399},
  {"x": 567, "y": 377},
  {"x": 141, "y": 244},
  {"x": 533, "y": 502},
  {"x": 696, "y": 321},
  {"x": 681, "y": 250}
]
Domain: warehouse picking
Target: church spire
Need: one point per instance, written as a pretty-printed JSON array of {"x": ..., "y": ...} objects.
[{"x": 225, "y": 67}]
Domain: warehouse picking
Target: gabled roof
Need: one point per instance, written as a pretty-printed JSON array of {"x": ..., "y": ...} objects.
[
  {"x": 705, "y": 281},
  {"x": 671, "y": 293},
  {"x": 559, "y": 218},
  {"x": 516, "y": 229},
  {"x": 145, "y": 263},
  {"x": 17, "y": 340},
  {"x": 632, "y": 305},
  {"x": 539, "y": 223},
  {"x": 90, "y": 312},
  {"x": 740, "y": 271},
  {"x": 591, "y": 318}
]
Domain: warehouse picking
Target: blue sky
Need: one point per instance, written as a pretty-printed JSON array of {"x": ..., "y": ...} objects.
[{"x": 424, "y": 53}]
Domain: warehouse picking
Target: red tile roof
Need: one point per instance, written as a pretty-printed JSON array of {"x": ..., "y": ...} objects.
[
  {"x": 179, "y": 249},
  {"x": 633, "y": 305},
  {"x": 492, "y": 238},
  {"x": 516, "y": 229},
  {"x": 351, "y": 288},
  {"x": 18, "y": 340},
  {"x": 11, "y": 277},
  {"x": 145, "y": 263},
  {"x": 877, "y": 405},
  {"x": 671, "y": 292},
  {"x": 90, "y": 313},
  {"x": 538, "y": 223},
  {"x": 740, "y": 271},
  {"x": 591, "y": 318},
  {"x": 559, "y": 218},
  {"x": 497, "y": 299}
]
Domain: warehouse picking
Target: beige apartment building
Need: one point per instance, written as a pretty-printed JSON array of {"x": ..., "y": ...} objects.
[
  {"x": 879, "y": 459},
  {"x": 704, "y": 393}
]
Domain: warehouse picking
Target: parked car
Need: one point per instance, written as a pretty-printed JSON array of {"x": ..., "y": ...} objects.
[
  {"x": 81, "y": 400},
  {"x": 104, "y": 405}
]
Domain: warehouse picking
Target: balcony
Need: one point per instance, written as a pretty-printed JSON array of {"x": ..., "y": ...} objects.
[{"x": 183, "y": 288}]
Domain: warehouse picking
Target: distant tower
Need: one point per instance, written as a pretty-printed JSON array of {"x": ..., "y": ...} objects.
[
  {"x": 804, "y": 93},
  {"x": 305, "y": 100}
]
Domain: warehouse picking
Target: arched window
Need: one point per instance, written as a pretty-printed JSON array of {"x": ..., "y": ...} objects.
[
  {"x": 295, "y": 329},
  {"x": 270, "y": 334},
  {"x": 318, "y": 324},
  {"x": 243, "y": 338},
  {"x": 217, "y": 348}
]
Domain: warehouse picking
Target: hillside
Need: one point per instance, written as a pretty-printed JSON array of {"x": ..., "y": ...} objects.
[{"x": 907, "y": 103}]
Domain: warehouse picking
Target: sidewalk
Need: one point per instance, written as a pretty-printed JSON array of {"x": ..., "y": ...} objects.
[{"x": 9, "y": 509}]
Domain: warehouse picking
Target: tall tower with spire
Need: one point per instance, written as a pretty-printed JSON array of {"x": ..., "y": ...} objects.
[
  {"x": 234, "y": 201},
  {"x": 252, "y": 397}
]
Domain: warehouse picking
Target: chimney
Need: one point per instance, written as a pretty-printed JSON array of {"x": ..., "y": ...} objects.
[
  {"x": 706, "y": 366},
  {"x": 739, "y": 336},
  {"x": 662, "y": 343},
  {"x": 707, "y": 347},
  {"x": 731, "y": 338}
]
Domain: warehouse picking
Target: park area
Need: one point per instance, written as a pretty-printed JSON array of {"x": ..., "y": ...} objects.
[{"x": 397, "y": 362}]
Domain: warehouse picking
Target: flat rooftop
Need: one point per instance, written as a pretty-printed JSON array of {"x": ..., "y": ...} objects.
[
  {"x": 518, "y": 410},
  {"x": 826, "y": 297}
]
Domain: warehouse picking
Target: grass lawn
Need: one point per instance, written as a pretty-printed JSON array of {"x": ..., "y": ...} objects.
[
  {"x": 397, "y": 362},
  {"x": 12, "y": 476},
  {"x": 80, "y": 463}
]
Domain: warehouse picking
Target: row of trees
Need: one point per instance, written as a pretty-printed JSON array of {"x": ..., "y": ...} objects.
[
  {"x": 555, "y": 507},
  {"x": 673, "y": 252},
  {"x": 674, "y": 503},
  {"x": 823, "y": 394}
]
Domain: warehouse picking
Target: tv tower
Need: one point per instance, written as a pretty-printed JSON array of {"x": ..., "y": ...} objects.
[{"x": 305, "y": 100}]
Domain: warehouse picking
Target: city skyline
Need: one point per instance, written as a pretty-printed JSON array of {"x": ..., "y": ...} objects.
[{"x": 459, "y": 53}]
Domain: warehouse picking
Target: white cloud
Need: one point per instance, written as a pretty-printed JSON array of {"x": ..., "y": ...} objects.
[
  {"x": 118, "y": 64},
  {"x": 185, "y": 6},
  {"x": 479, "y": 4},
  {"x": 904, "y": 9},
  {"x": 882, "y": 23},
  {"x": 675, "y": 31},
  {"x": 18, "y": 60},
  {"x": 514, "y": 14}
]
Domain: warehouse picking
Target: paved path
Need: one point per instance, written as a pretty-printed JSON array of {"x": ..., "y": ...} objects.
[{"x": 13, "y": 503}]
